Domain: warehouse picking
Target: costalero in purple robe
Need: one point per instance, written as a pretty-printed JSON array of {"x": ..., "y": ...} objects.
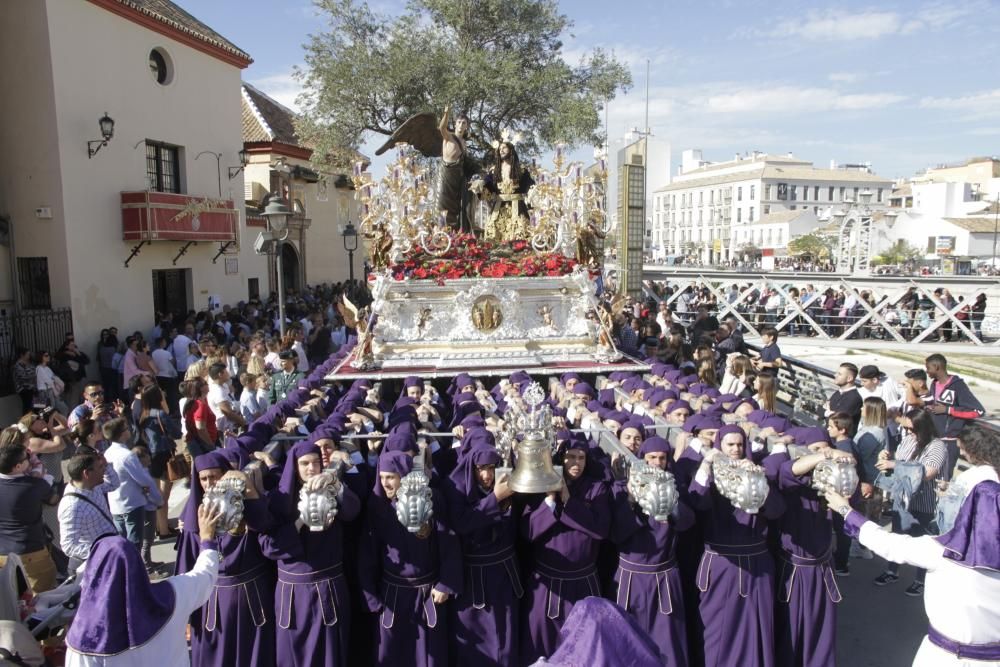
[
  {"x": 487, "y": 613},
  {"x": 564, "y": 544},
  {"x": 599, "y": 634},
  {"x": 236, "y": 625},
  {"x": 736, "y": 575},
  {"x": 648, "y": 581},
  {"x": 398, "y": 569},
  {"x": 312, "y": 601},
  {"x": 806, "y": 608}
]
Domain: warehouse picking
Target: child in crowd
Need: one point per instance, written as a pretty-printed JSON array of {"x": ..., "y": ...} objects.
[{"x": 153, "y": 501}]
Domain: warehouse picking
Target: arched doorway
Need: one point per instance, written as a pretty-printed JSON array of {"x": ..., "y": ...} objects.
[{"x": 290, "y": 267}]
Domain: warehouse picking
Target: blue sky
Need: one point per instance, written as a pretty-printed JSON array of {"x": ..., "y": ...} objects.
[{"x": 904, "y": 85}]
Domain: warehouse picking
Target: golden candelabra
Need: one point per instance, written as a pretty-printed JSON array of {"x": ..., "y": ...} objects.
[{"x": 567, "y": 204}]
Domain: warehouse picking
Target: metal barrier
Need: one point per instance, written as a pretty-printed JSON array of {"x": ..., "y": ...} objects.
[
  {"x": 34, "y": 330},
  {"x": 905, "y": 312}
]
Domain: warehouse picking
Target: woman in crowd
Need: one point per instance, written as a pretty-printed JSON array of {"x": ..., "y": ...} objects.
[
  {"x": 201, "y": 433},
  {"x": 50, "y": 386},
  {"x": 160, "y": 432},
  {"x": 765, "y": 392},
  {"x": 870, "y": 440},
  {"x": 920, "y": 445},
  {"x": 25, "y": 379}
]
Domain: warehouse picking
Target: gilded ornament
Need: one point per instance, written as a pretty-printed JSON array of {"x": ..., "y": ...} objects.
[{"x": 486, "y": 313}]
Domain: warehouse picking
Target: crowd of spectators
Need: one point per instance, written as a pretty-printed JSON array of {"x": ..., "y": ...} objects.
[
  {"x": 836, "y": 311},
  {"x": 99, "y": 454}
]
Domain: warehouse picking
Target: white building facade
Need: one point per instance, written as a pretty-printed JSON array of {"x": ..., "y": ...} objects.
[
  {"x": 707, "y": 211},
  {"x": 152, "y": 221}
]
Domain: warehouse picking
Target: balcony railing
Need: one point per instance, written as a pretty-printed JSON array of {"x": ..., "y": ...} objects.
[{"x": 167, "y": 216}]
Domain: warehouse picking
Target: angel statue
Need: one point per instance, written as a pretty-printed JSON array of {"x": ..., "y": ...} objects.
[
  {"x": 360, "y": 320},
  {"x": 381, "y": 245},
  {"x": 506, "y": 186},
  {"x": 433, "y": 138}
]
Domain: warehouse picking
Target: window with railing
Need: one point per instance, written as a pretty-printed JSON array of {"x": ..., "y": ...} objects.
[
  {"x": 33, "y": 278},
  {"x": 163, "y": 173}
]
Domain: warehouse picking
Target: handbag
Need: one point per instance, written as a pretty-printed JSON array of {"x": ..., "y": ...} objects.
[{"x": 178, "y": 468}]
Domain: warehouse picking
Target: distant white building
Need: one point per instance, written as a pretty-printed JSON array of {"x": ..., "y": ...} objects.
[
  {"x": 950, "y": 213},
  {"x": 708, "y": 208}
]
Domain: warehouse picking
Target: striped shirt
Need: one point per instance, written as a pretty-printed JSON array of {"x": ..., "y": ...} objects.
[
  {"x": 80, "y": 523},
  {"x": 934, "y": 455}
]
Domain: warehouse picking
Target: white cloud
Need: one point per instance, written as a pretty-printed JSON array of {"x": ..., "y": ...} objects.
[
  {"x": 784, "y": 99},
  {"x": 975, "y": 105},
  {"x": 281, "y": 86},
  {"x": 844, "y": 77},
  {"x": 843, "y": 25},
  {"x": 838, "y": 26}
]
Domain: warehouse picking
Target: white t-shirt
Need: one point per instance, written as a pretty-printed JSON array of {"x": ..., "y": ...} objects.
[
  {"x": 180, "y": 349},
  {"x": 218, "y": 394},
  {"x": 164, "y": 363}
]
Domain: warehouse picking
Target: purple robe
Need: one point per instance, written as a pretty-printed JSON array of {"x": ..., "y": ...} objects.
[
  {"x": 397, "y": 571},
  {"x": 487, "y": 613},
  {"x": 736, "y": 579},
  {"x": 806, "y": 609},
  {"x": 312, "y": 601},
  {"x": 236, "y": 625},
  {"x": 648, "y": 581},
  {"x": 564, "y": 545}
]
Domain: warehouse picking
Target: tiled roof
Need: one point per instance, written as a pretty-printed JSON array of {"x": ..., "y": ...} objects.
[
  {"x": 902, "y": 191},
  {"x": 783, "y": 159},
  {"x": 169, "y": 13},
  {"x": 974, "y": 224},
  {"x": 748, "y": 175},
  {"x": 265, "y": 119},
  {"x": 795, "y": 173},
  {"x": 779, "y": 216},
  {"x": 992, "y": 209}
]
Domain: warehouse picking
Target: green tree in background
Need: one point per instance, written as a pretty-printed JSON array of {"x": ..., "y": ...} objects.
[
  {"x": 813, "y": 245},
  {"x": 500, "y": 62},
  {"x": 899, "y": 253}
]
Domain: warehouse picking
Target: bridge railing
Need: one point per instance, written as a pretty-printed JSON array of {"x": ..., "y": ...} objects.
[{"x": 905, "y": 312}]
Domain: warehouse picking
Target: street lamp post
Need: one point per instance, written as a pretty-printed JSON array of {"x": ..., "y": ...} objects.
[
  {"x": 350, "y": 234},
  {"x": 276, "y": 214}
]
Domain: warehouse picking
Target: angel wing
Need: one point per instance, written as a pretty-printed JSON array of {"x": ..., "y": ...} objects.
[
  {"x": 349, "y": 312},
  {"x": 420, "y": 131}
]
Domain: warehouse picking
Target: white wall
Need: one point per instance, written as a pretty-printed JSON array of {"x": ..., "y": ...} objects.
[
  {"x": 100, "y": 63},
  {"x": 29, "y": 162}
]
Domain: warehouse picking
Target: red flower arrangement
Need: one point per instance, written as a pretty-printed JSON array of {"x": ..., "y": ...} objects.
[{"x": 469, "y": 257}]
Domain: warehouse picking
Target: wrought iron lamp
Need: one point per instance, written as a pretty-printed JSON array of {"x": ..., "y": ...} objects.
[{"x": 107, "y": 125}]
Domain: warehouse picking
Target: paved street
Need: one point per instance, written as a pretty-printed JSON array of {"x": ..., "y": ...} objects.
[{"x": 877, "y": 626}]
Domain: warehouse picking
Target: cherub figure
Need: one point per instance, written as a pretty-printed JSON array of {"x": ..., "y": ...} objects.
[{"x": 545, "y": 312}]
